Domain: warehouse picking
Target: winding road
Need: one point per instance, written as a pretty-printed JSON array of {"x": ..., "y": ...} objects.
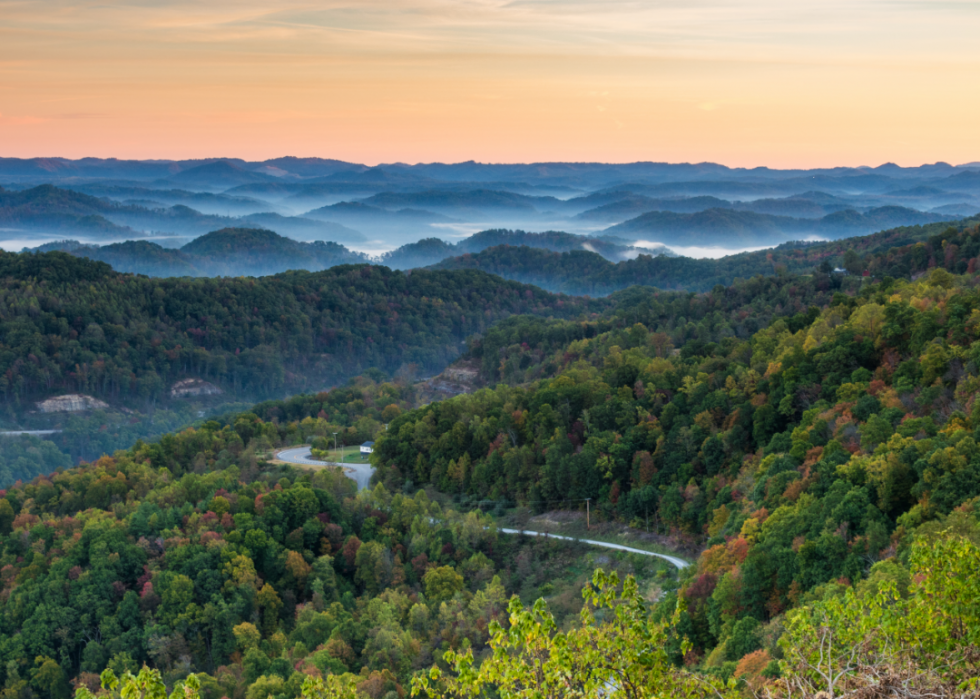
[
  {"x": 677, "y": 562},
  {"x": 361, "y": 474},
  {"x": 301, "y": 456}
]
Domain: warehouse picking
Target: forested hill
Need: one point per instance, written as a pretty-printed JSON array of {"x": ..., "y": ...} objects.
[
  {"x": 818, "y": 446},
  {"x": 55, "y": 209},
  {"x": 583, "y": 272},
  {"x": 225, "y": 252},
  {"x": 257, "y": 252},
  {"x": 72, "y": 325},
  {"x": 802, "y": 457},
  {"x": 749, "y": 228}
]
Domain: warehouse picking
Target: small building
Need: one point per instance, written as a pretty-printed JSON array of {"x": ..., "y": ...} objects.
[{"x": 367, "y": 448}]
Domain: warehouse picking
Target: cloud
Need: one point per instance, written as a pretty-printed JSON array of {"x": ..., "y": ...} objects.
[
  {"x": 695, "y": 29},
  {"x": 495, "y": 78}
]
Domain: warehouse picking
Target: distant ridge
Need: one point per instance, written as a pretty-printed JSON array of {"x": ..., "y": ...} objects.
[
  {"x": 226, "y": 252},
  {"x": 49, "y": 208},
  {"x": 748, "y": 228}
]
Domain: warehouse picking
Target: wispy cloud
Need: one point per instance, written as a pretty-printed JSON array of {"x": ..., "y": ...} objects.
[
  {"x": 621, "y": 79},
  {"x": 708, "y": 28}
]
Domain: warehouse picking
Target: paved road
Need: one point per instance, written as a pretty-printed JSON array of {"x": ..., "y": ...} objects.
[
  {"x": 359, "y": 473},
  {"x": 35, "y": 433},
  {"x": 678, "y": 562}
]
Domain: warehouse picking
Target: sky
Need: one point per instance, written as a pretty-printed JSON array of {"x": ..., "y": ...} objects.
[{"x": 782, "y": 83}]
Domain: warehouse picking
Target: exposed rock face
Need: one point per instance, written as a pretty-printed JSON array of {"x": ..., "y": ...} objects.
[
  {"x": 71, "y": 403},
  {"x": 461, "y": 377},
  {"x": 194, "y": 387}
]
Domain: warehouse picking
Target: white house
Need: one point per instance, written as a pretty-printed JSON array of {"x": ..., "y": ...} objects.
[{"x": 367, "y": 448}]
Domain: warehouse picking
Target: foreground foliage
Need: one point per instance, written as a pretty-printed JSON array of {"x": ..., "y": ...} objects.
[{"x": 617, "y": 651}]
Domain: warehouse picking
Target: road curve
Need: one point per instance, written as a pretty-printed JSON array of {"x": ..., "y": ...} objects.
[
  {"x": 677, "y": 562},
  {"x": 301, "y": 456},
  {"x": 361, "y": 474}
]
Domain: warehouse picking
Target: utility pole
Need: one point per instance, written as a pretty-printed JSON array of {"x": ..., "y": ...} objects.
[
  {"x": 335, "y": 442},
  {"x": 588, "y": 514}
]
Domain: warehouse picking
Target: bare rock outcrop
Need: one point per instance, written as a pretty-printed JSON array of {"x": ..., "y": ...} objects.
[
  {"x": 71, "y": 403},
  {"x": 461, "y": 377},
  {"x": 194, "y": 387}
]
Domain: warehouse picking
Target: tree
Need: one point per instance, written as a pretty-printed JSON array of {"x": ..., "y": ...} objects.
[
  {"x": 622, "y": 655},
  {"x": 369, "y": 566},
  {"x": 442, "y": 583},
  {"x": 332, "y": 687},
  {"x": 852, "y": 262},
  {"x": 247, "y": 636},
  {"x": 148, "y": 684},
  {"x": 270, "y": 604},
  {"x": 50, "y": 679},
  {"x": 6, "y": 516},
  {"x": 744, "y": 638},
  {"x": 886, "y": 644}
]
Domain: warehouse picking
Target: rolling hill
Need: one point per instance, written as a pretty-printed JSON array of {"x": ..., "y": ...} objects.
[
  {"x": 734, "y": 228},
  {"x": 226, "y": 252},
  {"x": 50, "y": 209}
]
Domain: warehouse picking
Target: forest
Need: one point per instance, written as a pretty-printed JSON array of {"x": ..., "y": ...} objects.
[
  {"x": 191, "y": 554},
  {"x": 258, "y": 252},
  {"x": 72, "y": 325},
  {"x": 69, "y": 325},
  {"x": 823, "y": 462},
  {"x": 743, "y": 228},
  {"x": 583, "y": 272},
  {"x": 225, "y": 252},
  {"x": 811, "y": 439},
  {"x": 800, "y": 458}
]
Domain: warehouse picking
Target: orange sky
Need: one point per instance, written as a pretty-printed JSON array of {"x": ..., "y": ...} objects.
[{"x": 764, "y": 82}]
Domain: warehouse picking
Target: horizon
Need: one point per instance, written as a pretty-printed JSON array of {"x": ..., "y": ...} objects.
[{"x": 204, "y": 159}]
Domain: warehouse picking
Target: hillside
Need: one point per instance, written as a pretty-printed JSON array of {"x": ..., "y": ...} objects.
[
  {"x": 257, "y": 252},
  {"x": 710, "y": 227},
  {"x": 353, "y": 212},
  {"x": 632, "y": 205},
  {"x": 49, "y": 209},
  {"x": 802, "y": 456},
  {"x": 252, "y": 337},
  {"x": 229, "y": 252},
  {"x": 245, "y": 533},
  {"x": 448, "y": 200},
  {"x": 584, "y": 273},
  {"x": 735, "y": 228},
  {"x": 135, "y": 256},
  {"x": 436, "y": 252},
  {"x": 185, "y": 221},
  {"x": 817, "y": 447},
  {"x": 219, "y": 174},
  {"x": 205, "y": 202},
  {"x": 885, "y": 210},
  {"x": 578, "y": 272}
]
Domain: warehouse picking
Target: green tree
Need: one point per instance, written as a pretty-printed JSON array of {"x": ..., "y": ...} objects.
[
  {"x": 442, "y": 583},
  {"x": 621, "y": 653},
  {"x": 49, "y": 679},
  {"x": 852, "y": 262}
]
